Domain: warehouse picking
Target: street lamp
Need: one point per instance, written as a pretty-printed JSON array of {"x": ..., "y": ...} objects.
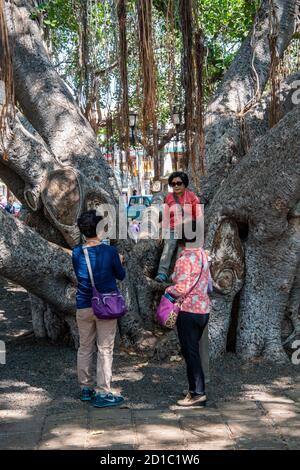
[
  {"x": 176, "y": 117},
  {"x": 2, "y": 92},
  {"x": 132, "y": 123}
]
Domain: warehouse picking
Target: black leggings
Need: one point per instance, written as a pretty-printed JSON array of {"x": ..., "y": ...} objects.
[{"x": 190, "y": 327}]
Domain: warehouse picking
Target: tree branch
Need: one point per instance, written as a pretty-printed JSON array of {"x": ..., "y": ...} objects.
[
  {"x": 239, "y": 88},
  {"x": 257, "y": 120},
  {"x": 39, "y": 266},
  {"x": 272, "y": 164},
  {"x": 100, "y": 73},
  {"x": 240, "y": 85},
  {"x": 29, "y": 158}
]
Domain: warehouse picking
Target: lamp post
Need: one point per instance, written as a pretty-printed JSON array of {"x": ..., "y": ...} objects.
[
  {"x": 132, "y": 123},
  {"x": 176, "y": 119},
  {"x": 2, "y": 92}
]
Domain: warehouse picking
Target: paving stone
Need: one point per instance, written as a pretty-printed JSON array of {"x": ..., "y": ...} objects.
[
  {"x": 255, "y": 444},
  {"x": 202, "y": 421},
  {"x": 158, "y": 428},
  {"x": 162, "y": 434},
  {"x": 19, "y": 441},
  {"x": 175, "y": 446},
  {"x": 8, "y": 416},
  {"x": 105, "y": 426},
  {"x": 196, "y": 411},
  {"x": 72, "y": 440},
  {"x": 67, "y": 416},
  {"x": 65, "y": 426},
  {"x": 270, "y": 397},
  {"x": 21, "y": 425},
  {"x": 65, "y": 431},
  {"x": 290, "y": 432},
  {"x": 294, "y": 395},
  {"x": 206, "y": 435},
  {"x": 109, "y": 414},
  {"x": 237, "y": 406},
  {"x": 120, "y": 438},
  {"x": 242, "y": 415},
  {"x": 263, "y": 425},
  {"x": 285, "y": 421},
  {"x": 293, "y": 445},
  {"x": 200, "y": 430},
  {"x": 289, "y": 410},
  {"x": 214, "y": 444},
  {"x": 97, "y": 425},
  {"x": 111, "y": 447},
  {"x": 154, "y": 416},
  {"x": 249, "y": 430},
  {"x": 283, "y": 415}
]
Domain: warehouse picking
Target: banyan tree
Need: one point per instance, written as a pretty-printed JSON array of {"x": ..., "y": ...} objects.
[{"x": 242, "y": 154}]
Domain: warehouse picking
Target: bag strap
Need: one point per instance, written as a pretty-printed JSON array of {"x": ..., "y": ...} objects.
[{"x": 88, "y": 262}]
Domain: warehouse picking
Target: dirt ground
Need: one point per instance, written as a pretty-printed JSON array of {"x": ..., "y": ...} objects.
[{"x": 39, "y": 374}]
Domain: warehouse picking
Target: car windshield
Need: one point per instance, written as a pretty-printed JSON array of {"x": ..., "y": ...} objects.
[{"x": 136, "y": 201}]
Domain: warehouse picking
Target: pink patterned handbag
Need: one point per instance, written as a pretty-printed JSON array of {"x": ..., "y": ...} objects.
[{"x": 167, "y": 312}]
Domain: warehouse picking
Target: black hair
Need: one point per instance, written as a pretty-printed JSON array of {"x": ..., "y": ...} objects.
[
  {"x": 179, "y": 174},
  {"x": 87, "y": 223}
]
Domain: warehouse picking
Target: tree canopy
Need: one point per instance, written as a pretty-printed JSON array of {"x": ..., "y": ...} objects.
[{"x": 73, "y": 26}]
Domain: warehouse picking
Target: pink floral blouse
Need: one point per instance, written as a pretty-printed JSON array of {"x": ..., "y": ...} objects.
[{"x": 187, "y": 269}]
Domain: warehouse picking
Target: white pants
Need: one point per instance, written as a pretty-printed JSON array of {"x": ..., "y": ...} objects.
[{"x": 102, "y": 332}]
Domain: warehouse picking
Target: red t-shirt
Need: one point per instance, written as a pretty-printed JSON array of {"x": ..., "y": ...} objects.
[{"x": 190, "y": 204}]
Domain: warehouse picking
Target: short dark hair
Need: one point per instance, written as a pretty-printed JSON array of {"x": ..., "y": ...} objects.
[
  {"x": 179, "y": 174},
  {"x": 87, "y": 223}
]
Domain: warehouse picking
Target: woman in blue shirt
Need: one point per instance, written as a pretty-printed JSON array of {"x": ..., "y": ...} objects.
[{"x": 107, "y": 267}]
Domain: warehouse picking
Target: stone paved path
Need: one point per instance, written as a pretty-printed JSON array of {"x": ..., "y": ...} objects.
[{"x": 265, "y": 422}]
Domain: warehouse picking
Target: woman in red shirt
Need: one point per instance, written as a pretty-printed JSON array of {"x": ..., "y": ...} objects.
[{"x": 178, "y": 205}]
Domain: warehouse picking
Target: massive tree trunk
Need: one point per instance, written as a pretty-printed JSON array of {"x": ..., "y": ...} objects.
[
  {"x": 261, "y": 197},
  {"x": 56, "y": 168}
]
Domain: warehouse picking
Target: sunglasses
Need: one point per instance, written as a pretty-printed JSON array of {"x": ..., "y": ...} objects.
[{"x": 177, "y": 183}]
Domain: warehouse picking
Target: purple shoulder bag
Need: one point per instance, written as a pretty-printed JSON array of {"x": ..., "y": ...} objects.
[{"x": 105, "y": 306}]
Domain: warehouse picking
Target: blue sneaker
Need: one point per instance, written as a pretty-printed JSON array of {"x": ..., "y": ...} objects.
[
  {"x": 87, "y": 394},
  {"x": 161, "y": 277},
  {"x": 102, "y": 401}
]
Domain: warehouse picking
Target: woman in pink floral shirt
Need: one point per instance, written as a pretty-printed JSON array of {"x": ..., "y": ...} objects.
[{"x": 193, "y": 317}]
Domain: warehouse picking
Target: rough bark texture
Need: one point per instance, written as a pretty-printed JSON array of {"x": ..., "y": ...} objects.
[
  {"x": 256, "y": 121},
  {"x": 262, "y": 193},
  {"x": 252, "y": 186},
  {"x": 39, "y": 266},
  {"x": 241, "y": 88}
]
